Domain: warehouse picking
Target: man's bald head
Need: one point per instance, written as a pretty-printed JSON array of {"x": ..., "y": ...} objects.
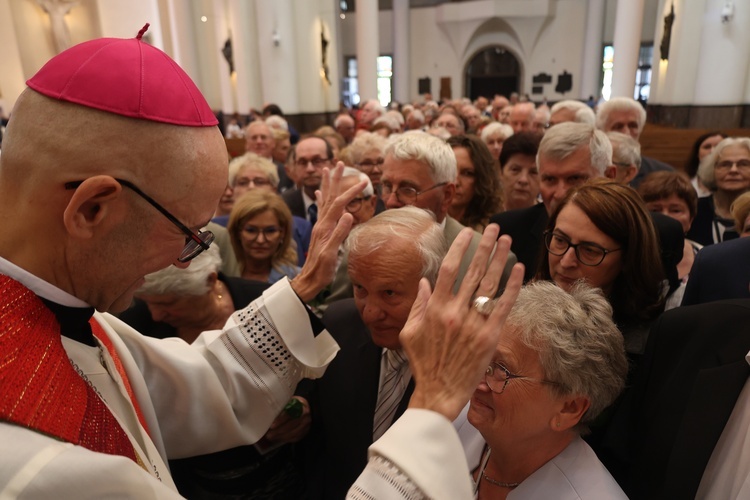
[{"x": 75, "y": 238}]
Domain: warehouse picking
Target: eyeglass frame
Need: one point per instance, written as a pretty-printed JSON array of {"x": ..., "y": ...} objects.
[
  {"x": 279, "y": 232},
  {"x": 361, "y": 200},
  {"x": 316, "y": 162},
  {"x": 195, "y": 238},
  {"x": 386, "y": 191},
  {"x": 367, "y": 167},
  {"x": 551, "y": 232},
  {"x": 510, "y": 376},
  {"x": 728, "y": 164}
]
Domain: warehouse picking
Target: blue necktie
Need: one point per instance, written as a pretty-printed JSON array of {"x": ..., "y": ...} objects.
[{"x": 312, "y": 212}]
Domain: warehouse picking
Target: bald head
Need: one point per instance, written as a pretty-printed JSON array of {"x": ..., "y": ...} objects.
[{"x": 72, "y": 237}]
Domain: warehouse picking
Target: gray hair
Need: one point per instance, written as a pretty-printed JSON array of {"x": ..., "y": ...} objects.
[
  {"x": 428, "y": 149},
  {"x": 417, "y": 115},
  {"x": 583, "y": 113},
  {"x": 580, "y": 347},
  {"x": 389, "y": 121},
  {"x": 625, "y": 149},
  {"x": 353, "y": 172},
  {"x": 706, "y": 169},
  {"x": 191, "y": 280},
  {"x": 252, "y": 160},
  {"x": 396, "y": 116},
  {"x": 408, "y": 224},
  {"x": 619, "y": 104},
  {"x": 277, "y": 122},
  {"x": 496, "y": 128},
  {"x": 378, "y": 107},
  {"x": 364, "y": 142},
  {"x": 564, "y": 139}
]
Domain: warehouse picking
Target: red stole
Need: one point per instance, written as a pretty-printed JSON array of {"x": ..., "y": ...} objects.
[{"x": 39, "y": 388}]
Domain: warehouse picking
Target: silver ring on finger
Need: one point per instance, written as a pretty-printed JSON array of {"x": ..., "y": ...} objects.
[{"x": 484, "y": 305}]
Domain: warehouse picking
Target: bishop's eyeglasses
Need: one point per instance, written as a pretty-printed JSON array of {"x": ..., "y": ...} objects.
[{"x": 195, "y": 243}]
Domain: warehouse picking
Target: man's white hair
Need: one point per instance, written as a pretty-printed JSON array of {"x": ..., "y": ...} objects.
[
  {"x": 566, "y": 138},
  {"x": 583, "y": 113},
  {"x": 361, "y": 176},
  {"x": 428, "y": 149},
  {"x": 275, "y": 121},
  {"x": 619, "y": 104}
]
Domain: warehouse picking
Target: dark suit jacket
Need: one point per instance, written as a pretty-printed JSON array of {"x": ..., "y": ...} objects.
[
  {"x": 343, "y": 406},
  {"x": 649, "y": 165},
  {"x": 692, "y": 373},
  {"x": 525, "y": 226},
  {"x": 720, "y": 271},
  {"x": 293, "y": 199}
]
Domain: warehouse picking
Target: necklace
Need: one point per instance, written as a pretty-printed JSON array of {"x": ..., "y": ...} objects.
[
  {"x": 499, "y": 483},
  {"x": 481, "y": 474}
]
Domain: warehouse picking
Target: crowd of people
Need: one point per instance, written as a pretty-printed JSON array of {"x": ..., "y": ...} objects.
[{"x": 487, "y": 299}]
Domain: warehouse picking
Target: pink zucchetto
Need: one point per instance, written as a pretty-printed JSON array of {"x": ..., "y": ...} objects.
[{"x": 127, "y": 77}]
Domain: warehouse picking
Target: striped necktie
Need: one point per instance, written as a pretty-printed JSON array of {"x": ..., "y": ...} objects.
[{"x": 396, "y": 374}]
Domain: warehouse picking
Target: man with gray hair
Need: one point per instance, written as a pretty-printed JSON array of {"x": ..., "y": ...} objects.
[
  {"x": 387, "y": 258},
  {"x": 569, "y": 155},
  {"x": 626, "y": 115},
  {"x": 626, "y": 157},
  {"x": 420, "y": 170},
  {"x": 571, "y": 111},
  {"x": 371, "y": 111}
]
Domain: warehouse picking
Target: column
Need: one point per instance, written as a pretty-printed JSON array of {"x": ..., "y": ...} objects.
[
  {"x": 592, "y": 50},
  {"x": 247, "y": 80},
  {"x": 401, "y": 76},
  {"x": 368, "y": 49},
  {"x": 278, "y": 54},
  {"x": 627, "y": 44},
  {"x": 724, "y": 56},
  {"x": 673, "y": 80}
]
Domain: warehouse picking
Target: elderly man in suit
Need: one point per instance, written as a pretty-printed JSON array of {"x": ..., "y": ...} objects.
[
  {"x": 369, "y": 384},
  {"x": 626, "y": 115},
  {"x": 420, "y": 170}
]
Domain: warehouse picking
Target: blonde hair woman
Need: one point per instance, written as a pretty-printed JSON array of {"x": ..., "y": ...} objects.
[{"x": 260, "y": 228}]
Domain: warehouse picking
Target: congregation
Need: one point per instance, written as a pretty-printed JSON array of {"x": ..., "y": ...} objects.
[{"x": 440, "y": 299}]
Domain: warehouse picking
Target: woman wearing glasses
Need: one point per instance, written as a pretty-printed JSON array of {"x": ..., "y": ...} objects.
[
  {"x": 260, "y": 228},
  {"x": 726, "y": 172},
  {"x": 602, "y": 234},
  {"x": 367, "y": 152},
  {"x": 560, "y": 361}
]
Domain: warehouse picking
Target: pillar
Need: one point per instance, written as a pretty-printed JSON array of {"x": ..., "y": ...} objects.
[
  {"x": 367, "y": 49},
  {"x": 592, "y": 50},
  {"x": 627, "y": 44},
  {"x": 401, "y": 76}
]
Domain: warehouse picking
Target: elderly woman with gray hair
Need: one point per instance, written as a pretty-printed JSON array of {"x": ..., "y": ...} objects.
[
  {"x": 559, "y": 363},
  {"x": 726, "y": 172},
  {"x": 368, "y": 155},
  {"x": 182, "y": 302}
]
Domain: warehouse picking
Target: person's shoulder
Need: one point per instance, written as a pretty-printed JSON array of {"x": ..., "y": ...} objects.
[
  {"x": 343, "y": 322},
  {"x": 242, "y": 290},
  {"x": 736, "y": 251},
  {"x": 653, "y": 165},
  {"x": 519, "y": 215},
  {"x": 291, "y": 195}
]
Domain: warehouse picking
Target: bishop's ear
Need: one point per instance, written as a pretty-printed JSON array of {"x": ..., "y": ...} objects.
[{"x": 90, "y": 205}]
